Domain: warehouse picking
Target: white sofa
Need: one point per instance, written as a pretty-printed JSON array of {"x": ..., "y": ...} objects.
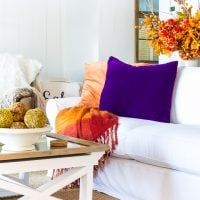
[{"x": 154, "y": 160}]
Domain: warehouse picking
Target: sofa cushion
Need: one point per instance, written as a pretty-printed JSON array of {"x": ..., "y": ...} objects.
[
  {"x": 186, "y": 96},
  {"x": 167, "y": 145},
  {"x": 140, "y": 92}
]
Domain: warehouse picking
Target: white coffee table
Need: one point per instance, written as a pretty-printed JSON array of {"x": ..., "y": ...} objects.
[{"x": 80, "y": 156}]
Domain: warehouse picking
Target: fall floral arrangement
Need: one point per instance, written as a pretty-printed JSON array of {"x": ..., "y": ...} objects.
[{"x": 181, "y": 33}]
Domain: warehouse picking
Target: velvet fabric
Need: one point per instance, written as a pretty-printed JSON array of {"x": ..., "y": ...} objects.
[
  {"x": 94, "y": 80},
  {"x": 143, "y": 92}
]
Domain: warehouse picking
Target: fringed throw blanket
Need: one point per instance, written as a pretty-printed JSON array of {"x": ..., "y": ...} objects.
[{"x": 89, "y": 124}]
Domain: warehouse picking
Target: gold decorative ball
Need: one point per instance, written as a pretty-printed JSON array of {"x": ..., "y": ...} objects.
[
  {"x": 18, "y": 111},
  {"x": 6, "y": 118},
  {"x": 18, "y": 125},
  {"x": 35, "y": 118}
]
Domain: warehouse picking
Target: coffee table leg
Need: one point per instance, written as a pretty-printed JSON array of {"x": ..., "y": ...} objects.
[
  {"x": 86, "y": 185},
  {"x": 25, "y": 177}
]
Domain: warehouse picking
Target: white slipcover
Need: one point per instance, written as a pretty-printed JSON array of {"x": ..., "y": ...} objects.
[
  {"x": 168, "y": 154},
  {"x": 131, "y": 180},
  {"x": 186, "y": 96},
  {"x": 175, "y": 146}
]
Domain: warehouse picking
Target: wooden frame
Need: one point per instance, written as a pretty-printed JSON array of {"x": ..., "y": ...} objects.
[
  {"x": 140, "y": 14},
  {"x": 86, "y": 147}
]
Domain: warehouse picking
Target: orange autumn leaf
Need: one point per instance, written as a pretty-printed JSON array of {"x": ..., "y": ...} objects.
[{"x": 181, "y": 33}]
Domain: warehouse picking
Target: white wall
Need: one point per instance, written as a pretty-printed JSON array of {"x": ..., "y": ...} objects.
[
  {"x": 116, "y": 28},
  {"x": 63, "y": 34}
]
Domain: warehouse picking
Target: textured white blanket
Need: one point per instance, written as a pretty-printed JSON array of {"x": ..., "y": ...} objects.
[{"x": 16, "y": 71}]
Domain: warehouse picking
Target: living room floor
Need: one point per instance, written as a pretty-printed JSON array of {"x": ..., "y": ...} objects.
[
  {"x": 39, "y": 178},
  {"x": 73, "y": 195}
]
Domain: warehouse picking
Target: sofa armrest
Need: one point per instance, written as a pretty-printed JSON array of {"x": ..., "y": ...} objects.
[{"x": 53, "y": 106}]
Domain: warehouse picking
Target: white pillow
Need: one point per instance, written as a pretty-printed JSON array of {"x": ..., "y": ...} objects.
[{"x": 51, "y": 89}]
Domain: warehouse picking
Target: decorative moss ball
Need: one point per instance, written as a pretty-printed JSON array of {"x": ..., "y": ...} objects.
[
  {"x": 18, "y": 125},
  {"x": 35, "y": 118},
  {"x": 6, "y": 118},
  {"x": 18, "y": 111}
]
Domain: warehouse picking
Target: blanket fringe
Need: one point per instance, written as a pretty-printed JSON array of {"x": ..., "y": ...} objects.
[{"x": 108, "y": 137}]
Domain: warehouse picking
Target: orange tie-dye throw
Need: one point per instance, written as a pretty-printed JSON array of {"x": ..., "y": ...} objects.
[{"x": 90, "y": 124}]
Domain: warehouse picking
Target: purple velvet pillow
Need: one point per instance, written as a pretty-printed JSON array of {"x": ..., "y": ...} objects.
[{"x": 140, "y": 92}]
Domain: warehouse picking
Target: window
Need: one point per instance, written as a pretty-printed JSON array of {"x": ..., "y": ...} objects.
[{"x": 144, "y": 52}]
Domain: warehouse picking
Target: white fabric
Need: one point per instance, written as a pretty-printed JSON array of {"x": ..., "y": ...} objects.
[
  {"x": 168, "y": 145},
  {"x": 174, "y": 146},
  {"x": 53, "y": 106},
  {"x": 186, "y": 96},
  {"x": 17, "y": 71},
  {"x": 170, "y": 151},
  {"x": 132, "y": 180}
]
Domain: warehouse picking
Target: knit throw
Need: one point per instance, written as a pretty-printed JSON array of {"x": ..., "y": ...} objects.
[{"x": 89, "y": 124}]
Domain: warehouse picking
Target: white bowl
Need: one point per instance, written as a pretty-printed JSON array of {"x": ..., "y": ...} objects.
[{"x": 21, "y": 139}]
